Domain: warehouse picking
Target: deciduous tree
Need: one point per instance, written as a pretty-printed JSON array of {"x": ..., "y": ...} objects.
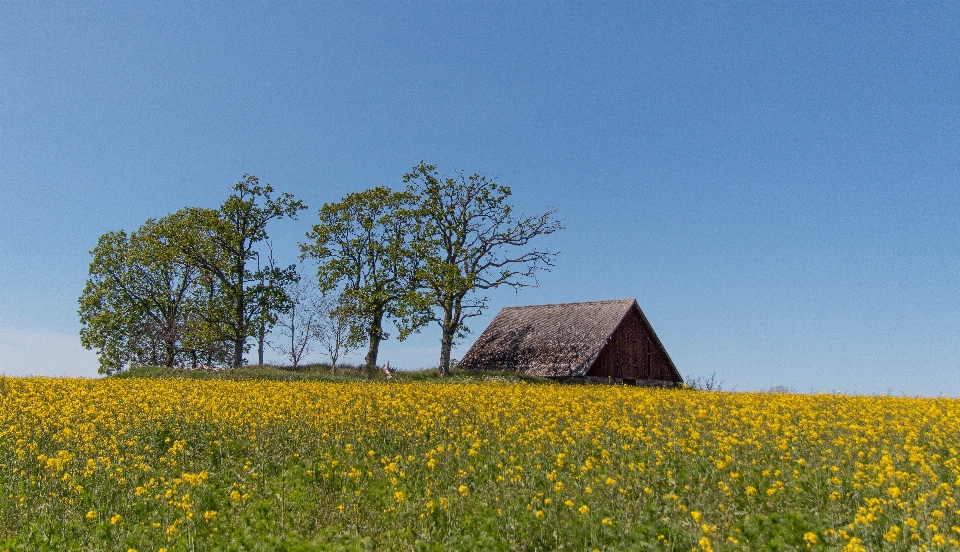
[
  {"x": 298, "y": 324},
  {"x": 362, "y": 246},
  {"x": 335, "y": 318},
  {"x": 470, "y": 241},
  {"x": 140, "y": 297},
  {"x": 224, "y": 242}
]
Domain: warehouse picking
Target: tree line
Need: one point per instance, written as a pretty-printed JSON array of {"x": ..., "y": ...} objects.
[{"x": 196, "y": 287}]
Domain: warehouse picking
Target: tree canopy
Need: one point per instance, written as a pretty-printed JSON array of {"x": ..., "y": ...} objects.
[
  {"x": 469, "y": 240},
  {"x": 223, "y": 242},
  {"x": 363, "y": 246},
  {"x": 180, "y": 288},
  {"x": 142, "y": 298},
  {"x": 193, "y": 287}
]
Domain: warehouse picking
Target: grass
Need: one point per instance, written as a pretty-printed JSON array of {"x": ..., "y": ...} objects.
[
  {"x": 322, "y": 372},
  {"x": 248, "y": 460}
]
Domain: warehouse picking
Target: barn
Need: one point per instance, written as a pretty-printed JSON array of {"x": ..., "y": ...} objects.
[{"x": 579, "y": 342}]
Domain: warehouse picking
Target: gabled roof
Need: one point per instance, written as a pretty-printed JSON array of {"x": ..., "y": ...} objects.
[{"x": 550, "y": 340}]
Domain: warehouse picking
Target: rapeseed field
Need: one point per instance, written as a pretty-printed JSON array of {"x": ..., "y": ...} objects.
[{"x": 142, "y": 464}]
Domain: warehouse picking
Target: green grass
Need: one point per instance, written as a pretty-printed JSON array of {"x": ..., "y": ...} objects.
[{"x": 322, "y": 372}]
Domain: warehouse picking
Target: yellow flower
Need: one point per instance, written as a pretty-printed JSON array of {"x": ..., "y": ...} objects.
[
  {"x": 68, "y": 440},
  {"x": 583, "y": 509},
  {"x": 115, "y": 519},
  {"x": 854, "y": 545},
  {"x": 463, "y": 490}
]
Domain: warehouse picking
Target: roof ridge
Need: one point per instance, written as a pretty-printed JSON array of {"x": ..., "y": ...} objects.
[{"x": 573, "y": 303}]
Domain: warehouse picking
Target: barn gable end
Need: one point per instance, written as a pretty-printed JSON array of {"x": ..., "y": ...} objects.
[{"x": 592, "y": 339}]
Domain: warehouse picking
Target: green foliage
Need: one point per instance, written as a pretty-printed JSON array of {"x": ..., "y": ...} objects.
[
  {"x": 469, "y": 240},
  {"x": 775, "y": 531},
  {"x": 224, "y": 243},
  {"x": 192, "y": 288},
  {"x": 142, "y": 298},
  {"x": 362, "y": 245},
  {"x": 178, "y": 289}
]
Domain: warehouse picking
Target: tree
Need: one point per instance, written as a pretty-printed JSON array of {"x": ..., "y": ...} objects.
[
  {"x": 204, "y": 340},
  {"x": 335, "y": 318},
  {"x": 362, "y": 245},
  {"x": 139, "y": 300},
  {"x": 468, "y": 238},
  {"x": 299, "y": 323},
  {"x": 223, "y": 242},
  {"x": 272, "y": 305}
]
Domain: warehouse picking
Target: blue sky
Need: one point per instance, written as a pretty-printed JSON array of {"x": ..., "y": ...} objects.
[{"x": 777, "y": 184}]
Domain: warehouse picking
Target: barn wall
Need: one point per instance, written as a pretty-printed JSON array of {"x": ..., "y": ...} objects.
[
  {"x": 632, "y": 353},
  {"x": 623, "y": 355}
]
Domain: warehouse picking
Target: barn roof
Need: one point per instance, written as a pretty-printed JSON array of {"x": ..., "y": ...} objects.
[{"x": 550, "y": 340}]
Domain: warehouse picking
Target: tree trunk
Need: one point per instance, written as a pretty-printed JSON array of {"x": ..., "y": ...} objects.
[
  {"x": 446, "y": 346},
  {"x": 376, "y": 335},
  {"x": 446, "y": 340},
  {"x": 293, "y": 344},
  {"x": 334, "y": 355},
  {"x": 170, "y": 352},
  {"x": 261, "y": 336},
  {"x": 240, "y": 337},
  {"x": 153, "y": 352},
  {"x": 371, "y": 359},
  {"x": 237, "y": 353}
]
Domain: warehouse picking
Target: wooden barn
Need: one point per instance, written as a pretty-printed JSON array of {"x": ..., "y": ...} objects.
[{"x": 593, "y": 341}]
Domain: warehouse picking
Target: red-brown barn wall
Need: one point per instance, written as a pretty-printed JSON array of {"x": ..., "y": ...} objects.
[{"x": 632, "y": 353}]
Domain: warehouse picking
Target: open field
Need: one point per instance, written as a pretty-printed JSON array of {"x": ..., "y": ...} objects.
[{"x": 187, "y": 464}]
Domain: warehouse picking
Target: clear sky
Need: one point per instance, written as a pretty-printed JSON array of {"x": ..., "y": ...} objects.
[{"x": 777, "y": 184}]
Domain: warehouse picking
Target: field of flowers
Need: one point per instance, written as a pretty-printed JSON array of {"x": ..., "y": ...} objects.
[{"x": 141, "y": 464}]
